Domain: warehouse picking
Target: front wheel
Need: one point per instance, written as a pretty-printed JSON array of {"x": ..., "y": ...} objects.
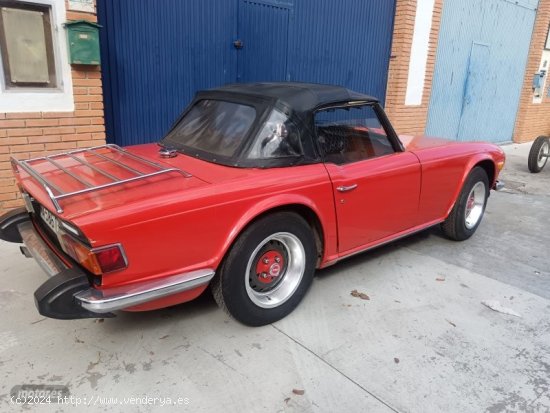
[
  {"x": 539, "y": 154},
  {"x": 468, "y": 210},
  {"x": 268, "y": 270}
]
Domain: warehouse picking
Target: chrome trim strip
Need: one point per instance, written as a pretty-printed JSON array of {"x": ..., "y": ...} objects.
[
  {"x": 41, "y": 158},
  {"x": 143, "y": 160},
  {"x": 124, "y": 152},
  {"x": 106, "y": 247},
  {"x": 59, "y": 166},
  {"x": 128, "y": 168},
  {"x": 55, "y": 203},
  {"x": 27, "y": 168},
  {"x": 111, "y": 184},
  {"x": 105, "y": 301},
  {"x": 406, "y": 234},
  {"x": 347, "y": 188},
  {"x": 350, "y": 103},
  {"x": 93, "y": 167}
]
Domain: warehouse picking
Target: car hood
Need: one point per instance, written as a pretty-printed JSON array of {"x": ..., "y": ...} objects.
[
  {"x": 427, "y": 147},
  {"x": 417, "y": 143}
]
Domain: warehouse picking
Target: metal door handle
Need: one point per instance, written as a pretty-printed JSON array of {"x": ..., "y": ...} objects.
[{"x": 347, "y": 188}]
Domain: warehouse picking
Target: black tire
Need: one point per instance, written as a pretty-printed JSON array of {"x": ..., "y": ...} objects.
[
  {"x": 540, "y": 147},
  {"x": 459, "y": 225},
  {"x": 243, "y": 294}
]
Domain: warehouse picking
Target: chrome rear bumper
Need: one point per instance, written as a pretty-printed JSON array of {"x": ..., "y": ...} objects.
[
  {"x": 68, "y": 294},
  {"x": 105, "y": 301}
]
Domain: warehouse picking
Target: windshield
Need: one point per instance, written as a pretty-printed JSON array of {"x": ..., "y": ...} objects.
[{"x": 213, "y": 126}]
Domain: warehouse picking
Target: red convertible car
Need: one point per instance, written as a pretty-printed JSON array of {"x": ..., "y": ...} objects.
[{"x": 253, "y": 188}]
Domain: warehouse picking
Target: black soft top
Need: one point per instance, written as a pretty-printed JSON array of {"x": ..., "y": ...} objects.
[
  {"x": 297, "y": 100},
  {"x": 301, "y": 97}
]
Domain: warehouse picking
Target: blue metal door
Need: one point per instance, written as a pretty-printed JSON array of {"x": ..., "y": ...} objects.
[
  {"x": 155, "y": 57},
  {"x": 344, "y": 42},
  {"x": 480, "y": 67},
  {"x": 263, "y": 36},
  {"x": 477, "y": 101}
]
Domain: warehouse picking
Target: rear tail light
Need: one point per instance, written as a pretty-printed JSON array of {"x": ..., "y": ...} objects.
[
  {"x": 96, "y": 260},
  {"x": 110, "y": 258}
]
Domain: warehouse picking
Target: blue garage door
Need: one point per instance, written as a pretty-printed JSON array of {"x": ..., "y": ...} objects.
[
  {"x": 264, "y": 27},
  {"x": 155, "y": 58},
  {"x": 480, "y": 67}
]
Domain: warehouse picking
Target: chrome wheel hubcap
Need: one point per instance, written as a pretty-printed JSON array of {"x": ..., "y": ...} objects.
[
  {"x": 543, "y": 154},
  {"x": 474, "y": 205},
  {"x": 275, "y": 269}
]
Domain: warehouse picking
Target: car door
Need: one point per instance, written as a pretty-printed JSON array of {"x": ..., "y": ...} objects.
[{"x": 376, "y": 186}]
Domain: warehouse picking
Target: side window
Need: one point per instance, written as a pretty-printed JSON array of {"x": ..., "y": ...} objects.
[
  {"x": 278, "y": 138},
  {"x": 351, "y": 133}
]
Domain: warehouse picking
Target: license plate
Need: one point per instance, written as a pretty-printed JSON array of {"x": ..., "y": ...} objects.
[{"x": 49, "y": 219}]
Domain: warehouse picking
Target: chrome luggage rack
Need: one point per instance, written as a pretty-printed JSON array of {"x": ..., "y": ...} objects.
[{"x": 56, "y": 194}]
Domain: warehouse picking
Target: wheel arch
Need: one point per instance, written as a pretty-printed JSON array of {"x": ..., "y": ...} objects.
[
  {"x": 483, "y": 161},
  {"x": 490, "y": 168},
  {"x": 305, "y": 209}
]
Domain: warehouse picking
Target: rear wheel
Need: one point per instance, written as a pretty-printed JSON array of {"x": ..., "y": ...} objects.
[
  {"x": 469, "y": 208},
  {"x": 539, "y": 153},
  {"x": 268, "y": 270}
]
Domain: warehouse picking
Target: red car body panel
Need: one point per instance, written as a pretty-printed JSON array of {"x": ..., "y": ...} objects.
[
  {"x": 384, "y": 203},
  {"x": 445, "y": 166}
]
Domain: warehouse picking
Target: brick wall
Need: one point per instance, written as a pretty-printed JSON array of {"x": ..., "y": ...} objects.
[
  {"x": 409, "y": 119},
  {"x": 534, "y": 119},
  {"x": 25, "y": 135}
]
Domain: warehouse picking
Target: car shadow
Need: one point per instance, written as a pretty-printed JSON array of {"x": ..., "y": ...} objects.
[
  {"x": 204, "y": 306},
  {"x": 126, "y": 321},
  {"x": 377, "y": 252}
]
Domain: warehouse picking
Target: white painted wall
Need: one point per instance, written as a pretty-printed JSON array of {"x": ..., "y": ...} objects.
[
  {"x": 544, "y": 65},
  {"x": 42, "y": 100},
  {"x": 419, "y": 52}
]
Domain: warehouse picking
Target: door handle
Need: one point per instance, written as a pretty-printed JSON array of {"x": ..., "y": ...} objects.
[{"x": 347, "y": 188}]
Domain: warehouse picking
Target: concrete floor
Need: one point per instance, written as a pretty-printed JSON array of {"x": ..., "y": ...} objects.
[{"x": 422, "y": 343}]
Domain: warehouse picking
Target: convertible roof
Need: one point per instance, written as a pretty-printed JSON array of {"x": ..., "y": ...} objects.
[{"x": 301, "y": 97}]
